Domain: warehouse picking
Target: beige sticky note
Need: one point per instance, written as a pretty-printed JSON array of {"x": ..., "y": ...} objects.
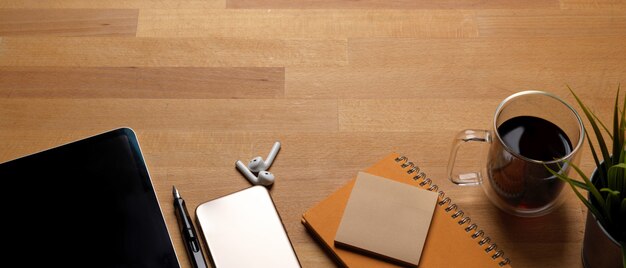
[{"x": 386, "y": 218}]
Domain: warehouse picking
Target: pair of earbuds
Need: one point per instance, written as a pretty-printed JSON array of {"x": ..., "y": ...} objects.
[{"x": 259, "y": 166}]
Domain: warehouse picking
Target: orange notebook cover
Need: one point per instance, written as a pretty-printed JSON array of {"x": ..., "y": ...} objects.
[{"x": 452, "y": 241}]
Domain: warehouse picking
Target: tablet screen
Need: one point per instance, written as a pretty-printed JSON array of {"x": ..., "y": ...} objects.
[{"x": 89, "y": 203}]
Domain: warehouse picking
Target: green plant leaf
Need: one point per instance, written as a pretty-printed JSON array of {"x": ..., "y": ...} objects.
[
  {"x": 616, "y": 177},
  {"x": 611, "y": 192},
  {"x": 580, "y": 184},
  {"x": 622, "y": 174},
  {"x": 612, "y": 203},
  {"x": 622, "y": 127},
  {"x": 613, "y": 181},
  {"x": 609, "y": 206},
  {"x": 592, "y": 189},
  {"x": 618, "y": 142},
  {"x": 590, "y": 206},
  {"x": 596, "y": 130},
  {"x": 603, "y": 126},
  {"x": 601, "y": 173}
]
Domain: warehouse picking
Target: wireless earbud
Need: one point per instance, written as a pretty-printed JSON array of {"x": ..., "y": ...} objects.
[
  {"x": 265, "y": 178},
  {"x": 257, "y": 164}
]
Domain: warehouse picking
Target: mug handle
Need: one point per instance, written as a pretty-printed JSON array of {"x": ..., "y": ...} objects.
[{"x": 468, "y": 135}]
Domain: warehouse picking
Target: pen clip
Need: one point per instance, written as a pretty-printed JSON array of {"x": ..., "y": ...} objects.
[{"x": 194, "y": 245}]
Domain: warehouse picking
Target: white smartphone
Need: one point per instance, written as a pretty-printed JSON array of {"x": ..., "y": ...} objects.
[{"x": 244, "y": 229}]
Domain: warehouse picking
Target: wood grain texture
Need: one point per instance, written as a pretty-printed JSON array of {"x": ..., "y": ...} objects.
[
  {"x": 593, "y": 4},
  {"x": 395, "y": 4},
  {"x": 160, "y": 52},
  {"x": 448, "y": 75},
  {"x": 384, "y": 114},
  {"x": 306, "y": 23},
  {"x": 339, "y": 83},
  {"x": 529, "y": 54},
  {"x": 68, "y": 22},
  {"x": 199, "y": 150},
  {"x": 143, "y": 82},
  {"x": 551, "y": 23},
  {"x": 51, "y": 4},
  {"x": 231, "y": 115}
]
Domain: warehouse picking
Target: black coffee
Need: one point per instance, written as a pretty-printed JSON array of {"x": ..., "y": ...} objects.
[
  {"x": 522, "y": 183},
  {"x": 535, "y": 138}
]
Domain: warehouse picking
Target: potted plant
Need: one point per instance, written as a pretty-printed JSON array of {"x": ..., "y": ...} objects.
[{"x": 605, "y": 231}]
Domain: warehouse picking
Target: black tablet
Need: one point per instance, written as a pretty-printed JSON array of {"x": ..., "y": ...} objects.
[{"x": 89, "y": 203}]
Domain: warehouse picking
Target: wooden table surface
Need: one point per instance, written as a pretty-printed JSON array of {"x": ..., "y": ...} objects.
[{"x": 340, "y": 83}]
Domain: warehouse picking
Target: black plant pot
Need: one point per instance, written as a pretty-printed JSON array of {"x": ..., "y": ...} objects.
[{"x": 599, "y": 247}]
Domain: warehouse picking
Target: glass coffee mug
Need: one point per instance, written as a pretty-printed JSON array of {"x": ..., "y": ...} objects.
[{"x": 531, "y": 130}]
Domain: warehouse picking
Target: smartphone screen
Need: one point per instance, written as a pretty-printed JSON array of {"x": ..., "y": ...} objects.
[{"x": 244, "y": 229}]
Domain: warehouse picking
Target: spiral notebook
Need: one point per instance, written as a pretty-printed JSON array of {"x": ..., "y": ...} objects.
[{"x": 453, "y": 241}]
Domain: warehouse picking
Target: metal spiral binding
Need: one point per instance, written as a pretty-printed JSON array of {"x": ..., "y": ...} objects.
[{"x": 451, "y": 207}]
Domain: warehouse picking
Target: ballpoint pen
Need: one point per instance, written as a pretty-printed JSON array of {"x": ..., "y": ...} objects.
[{"x": 192, "y": 243}]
